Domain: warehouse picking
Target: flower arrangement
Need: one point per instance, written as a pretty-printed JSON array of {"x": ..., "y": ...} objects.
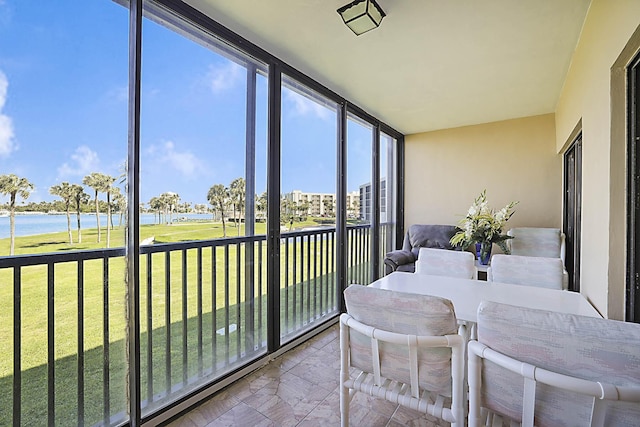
[{"x": 484, "y": 225}]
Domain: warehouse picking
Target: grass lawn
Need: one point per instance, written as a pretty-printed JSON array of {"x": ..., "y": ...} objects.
[{"x": 171, "y": 296}]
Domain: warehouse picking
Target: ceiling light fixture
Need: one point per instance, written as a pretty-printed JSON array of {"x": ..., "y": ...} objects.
[{"x": 362, "y": 15}]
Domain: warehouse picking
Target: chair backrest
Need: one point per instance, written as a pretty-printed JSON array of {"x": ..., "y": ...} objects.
[
  {"x": 439, "y": 262},
  {"x": 405, "y": 338},
  {"x": 526, "y": 270},
  {"x": 405, "y": 314},
  {"x": 555, "y": 363},
  {"x": 428, "y": 236},
  {"x": 532, "y": 241}
]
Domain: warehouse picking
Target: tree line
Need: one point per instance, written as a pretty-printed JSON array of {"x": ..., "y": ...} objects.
[{"x": 73, "y": 198}]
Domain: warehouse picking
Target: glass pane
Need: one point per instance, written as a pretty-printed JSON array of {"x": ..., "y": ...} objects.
[
  {"x": 63, "y": 145},
  {"x": 203, "y": 178},
  {"x": 359, "y": 177},
  {"x": 308, "y": 209},
  {"x": 388, "y": 180}
]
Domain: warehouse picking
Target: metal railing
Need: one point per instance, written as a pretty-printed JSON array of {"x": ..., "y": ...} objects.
[{"x": 203, "y": 308}]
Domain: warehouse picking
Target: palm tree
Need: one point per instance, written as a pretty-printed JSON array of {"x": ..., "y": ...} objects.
[
  {"x": 101, "y": 183},
  {"x": 81, "y": 198},
  {"x": 185, "y": 207},
  {"x": 65, "y": 192},
  {"x": 156, "y": 205},
  {"x": 303, "y": 209},
  {"x": 173, "y": 200},
  {"x": 169, "y": 201},
  {"x": 287, "y": 212},
  {"x": 107, "y": 187},
  {"x": 218, "y": 197},
  {"x": 94, "y": 180},
  {"x": 328, "y": 207},
  {"x": 261, "y": 204},
  {"x": 164, "y": 203},
  {"x": 119, "y": 204},
  {"x": 237, "y": 192},
  {"x": 12, "y": 186}
]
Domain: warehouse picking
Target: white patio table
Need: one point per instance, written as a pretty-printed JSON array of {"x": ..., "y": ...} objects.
[{"x": 466, "y": 294}]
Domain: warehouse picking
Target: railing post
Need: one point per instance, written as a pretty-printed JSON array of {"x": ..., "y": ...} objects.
[
  {"x": 17, "y": 345},
  {"x": 51, "y": 354}
]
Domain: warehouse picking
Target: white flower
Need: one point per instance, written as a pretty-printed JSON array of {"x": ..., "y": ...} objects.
[{"x": 482, "y": 223}]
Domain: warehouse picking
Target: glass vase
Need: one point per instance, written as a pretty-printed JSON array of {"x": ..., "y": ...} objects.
[{"x": 483, "y": 252}]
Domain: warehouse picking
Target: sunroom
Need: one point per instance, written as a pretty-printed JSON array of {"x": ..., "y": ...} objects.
[{"x": 262, "y": 157}]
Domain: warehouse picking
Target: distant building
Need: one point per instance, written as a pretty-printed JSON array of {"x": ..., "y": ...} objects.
[
  {"x": 353, "y": 203},
  {"x": 365, "y": 201},
  {"x": 318, "y": 203}
]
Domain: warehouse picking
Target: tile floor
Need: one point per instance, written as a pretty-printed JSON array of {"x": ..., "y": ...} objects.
[{"x": 299, "y": 388}]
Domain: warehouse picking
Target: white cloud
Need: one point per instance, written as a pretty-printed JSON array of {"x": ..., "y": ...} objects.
[
  {"x": 118, "y": 94},
  {"x": 299, "y": 105},
  {"x": 83, "y": 161},
  {"x": 224, "y": 77},
  {"x": 185, "y": 162},
  {"x": 7, "y": 141}
]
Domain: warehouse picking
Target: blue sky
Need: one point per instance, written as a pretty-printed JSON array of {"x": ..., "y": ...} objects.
[{"x": 63, "y": 108}]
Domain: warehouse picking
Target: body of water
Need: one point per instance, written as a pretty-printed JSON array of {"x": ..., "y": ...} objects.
[{"x": 33, "y": 224}]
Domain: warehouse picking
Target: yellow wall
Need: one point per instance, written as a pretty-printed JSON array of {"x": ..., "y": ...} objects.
[
  {"x": 522, "y": 159},
  {"x": 512, "y": 160},
  {"x": 586, "y": 97}
]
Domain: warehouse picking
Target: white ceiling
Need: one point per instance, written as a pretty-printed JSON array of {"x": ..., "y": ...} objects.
[{"x": 432, "y": 64}]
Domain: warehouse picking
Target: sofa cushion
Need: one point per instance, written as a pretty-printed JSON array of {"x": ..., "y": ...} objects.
[{"x": 429, "y": 236}]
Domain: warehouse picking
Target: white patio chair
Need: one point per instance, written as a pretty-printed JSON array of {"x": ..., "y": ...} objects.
[
  {"x": 442, "y": 262},
  {"x": 533, "y": 241},
  {"x": 539, "y": 242},
  {"x": 542, "y": 368},
  {"x": 526, "y": 270},
  {"x": 403, "y": 348}
]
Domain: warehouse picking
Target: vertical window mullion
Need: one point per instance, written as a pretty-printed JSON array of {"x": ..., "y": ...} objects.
[
  {"x": 273, "y": 208},
  {"x": 341, "y": 208},
  {"x": 133, "y": 222},
  {"x": 374, "y": 253}
]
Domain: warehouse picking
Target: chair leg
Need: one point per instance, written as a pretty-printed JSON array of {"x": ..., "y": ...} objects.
[
  {"x": 344, "y": 374},
  {"x": 344, "y": 406}
]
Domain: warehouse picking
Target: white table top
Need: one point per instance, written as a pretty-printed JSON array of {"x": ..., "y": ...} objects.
[{"x": 466, "y": 294}]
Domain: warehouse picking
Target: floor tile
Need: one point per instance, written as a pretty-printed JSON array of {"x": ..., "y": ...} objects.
[
  {"x": 299, "y": 388},
  {"x": 242, "y": 415}
]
